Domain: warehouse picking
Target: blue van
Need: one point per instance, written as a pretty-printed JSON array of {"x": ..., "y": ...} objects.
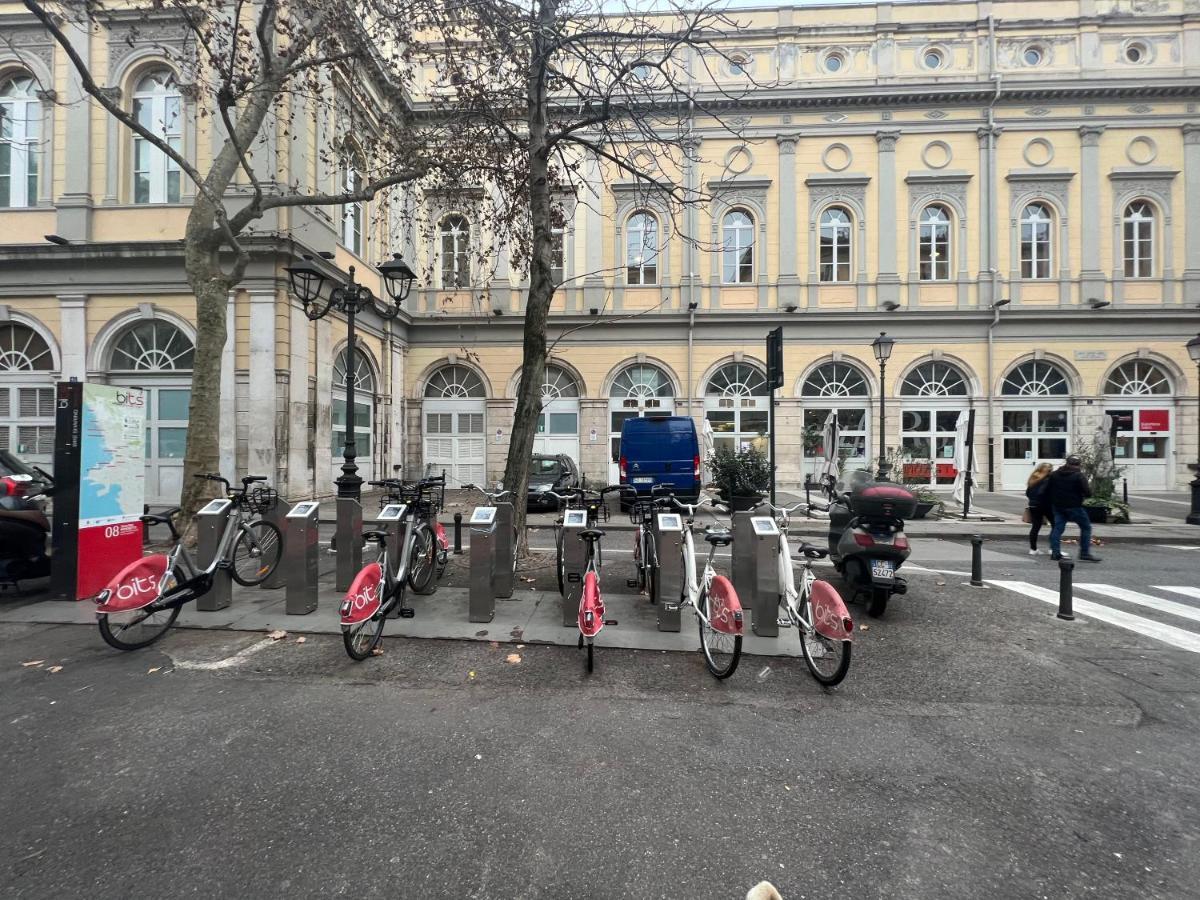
[{"x": 661, "y": 450}]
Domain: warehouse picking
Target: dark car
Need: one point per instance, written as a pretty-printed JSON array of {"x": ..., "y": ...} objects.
[{"x": 554, "y": 473}]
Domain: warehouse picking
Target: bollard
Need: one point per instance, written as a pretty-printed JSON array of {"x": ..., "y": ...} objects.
[
  {"x": 668, "y": 578},
  {"x": 761, "y": 546},
  {"x": 1065, "y": 600},
  {"x": 481, "y": 598},
  {"x": 977, "y": 560},
  {"x": 458, "y": 534},
  {"x": 1125, "y": 491}
]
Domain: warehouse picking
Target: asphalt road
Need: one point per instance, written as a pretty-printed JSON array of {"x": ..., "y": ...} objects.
[{"x": 979, "y": 748}]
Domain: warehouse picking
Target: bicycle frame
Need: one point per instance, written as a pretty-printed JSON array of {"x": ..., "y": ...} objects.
[
  {"x": 374, "y": 589},
  {"x": 830, "y": 618},
  {"x": 726, "y": 617}
]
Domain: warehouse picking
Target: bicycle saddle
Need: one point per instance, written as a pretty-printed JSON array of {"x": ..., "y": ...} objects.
[
  {"x": 369, "y": 536},
  {"x": 162, "y": 518},
  {"x": 591, "y": 534},
  {"x": 812, "y": 551},
  {"x": 718, "y": 538}
]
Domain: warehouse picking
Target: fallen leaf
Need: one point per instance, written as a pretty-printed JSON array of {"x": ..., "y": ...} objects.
[
  {"x": 277, "y": 635},
  {"x": 495, "y": 645},
  {"x": 864, "y": 627},
  {"x": 33, "y": 662},
  {"x": 478, "y": 756},
  {"x": 786, "y": 788},
  {"x": 520, "y": 646},
  {"x": 481, "y": 633},
  {"x": 378, "y": 651},
  {"x": 470, "y": 674},
  {"x": 513, "y": 658},
  {"x": 152, "y": 671},
  {"x": 301, "y": 639},
  {"x": 940, "y": 583},
  {"x": 53, "y": 669}
]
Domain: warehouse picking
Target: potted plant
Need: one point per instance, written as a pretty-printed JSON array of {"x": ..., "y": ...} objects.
[
  {"x": 1102, "y": 474},
  {"x": 740, "y": 476}
]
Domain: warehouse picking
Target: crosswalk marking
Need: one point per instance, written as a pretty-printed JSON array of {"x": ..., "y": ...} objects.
[
  {"x": 1167, "y": 606},
  {"x": 1168, "y": 634},
  {"x": 1182, "y": 546},
  {"x": 1175, "y": 589}
]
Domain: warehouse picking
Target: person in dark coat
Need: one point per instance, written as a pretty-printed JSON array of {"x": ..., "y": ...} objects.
[
  {"x": 1037, "y": 505},
  {"x": 1066, "y": 490}
]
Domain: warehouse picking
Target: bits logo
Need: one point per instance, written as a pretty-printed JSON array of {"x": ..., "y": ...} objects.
[{"x": 134, "y": 401}]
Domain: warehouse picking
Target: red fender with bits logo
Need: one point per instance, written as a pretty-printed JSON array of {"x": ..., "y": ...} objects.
[
  {"x": 724, "y": 608},
  {"x": 830, "y": 616},
  {"x": 365, "y": 595},
  {"x": 591, "y": 610},
  {"x": 440, "y": 533},
  {"x": 135, "y": 586}
]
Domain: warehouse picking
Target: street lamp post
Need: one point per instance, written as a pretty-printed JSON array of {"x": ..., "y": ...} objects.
[
  {"x": 351, "y": 298},
  {"x": 1193, "y": 349},
  {"x": 882, "y": 346}
]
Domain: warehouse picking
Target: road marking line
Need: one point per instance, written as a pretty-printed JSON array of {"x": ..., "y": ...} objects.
[
  {"x": 1159, "y": 500},
  {"x": 1182, "y": 546},
  {"x": 938, "y": 571},
  {"x": 1166, "y": 606},
  {"x": 1178, "y": 589},
  {"x": 229, "y": 661},
  {"x": 1176, "y": 637}
]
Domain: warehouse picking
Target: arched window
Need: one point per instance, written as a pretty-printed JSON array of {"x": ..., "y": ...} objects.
[
  {"x": 558, "y": 384},
  {"x": 737, "y": 249},
  {"x": 641, "y": 249},
  {"x": 364, "y": 404},
  {"x": 933, "y": 234},
  {"x": 158, "y": 106},
  {"x": 1036, "y": 245},
  {"x": 641, "y": 382},
  {"x": 835, "y": 379},
  {"x": 353, "y": 214},
  {"x": 454, "y": 383},
  {"x": 735, "y": 404},
  {"x": 558, "y": 421},
  {"x": 839, "y": 388},
  {"x": 1138, "y": 378},
  {"x": 1035, "y": 378},
  {"x": 20, "y": 150},
  {"x": 641, "y": 389},
  {"x": 934, "y": 379},
  {"x": 1139, "y": 240},
  {"x": 26, "y": 395},
  {"x": 835, "y": 245},
  {"x": 152, "y": 346},
  {"x": 456, "y": 261}
]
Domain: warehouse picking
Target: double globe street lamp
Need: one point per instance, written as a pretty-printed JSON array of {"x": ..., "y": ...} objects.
[
  {"x": 882, "y": 346},
  {"x": 350, "y": 298},
  {"x": 1193, "y": 349}
]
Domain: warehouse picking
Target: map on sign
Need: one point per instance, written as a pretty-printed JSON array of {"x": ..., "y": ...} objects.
[{"x": 112, "y": 455}]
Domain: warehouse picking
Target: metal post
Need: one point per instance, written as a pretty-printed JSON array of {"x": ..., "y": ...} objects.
[
  {"x": 506, "y": 552},
  {"x": 743, "y": 555},
  {"x": 977, "y": 560},
  {"x": 764, "y": 553},
  {"x": 300, "y": 546},
  {"x": 771, "y": 439},
  {"x": 482, "y": 595},
  {"x": 1125, "y": 491},
  {"x": 210, "y": 525},
  {"x": 668, "y": 550},
  {"x": 349, "y": 485},
  {"x": 574, "y": 564},
  {"x": 349, "y": 541},
  {"x": 1065, "y": 605},
  {"x": 458, "y": 534},
  {"x": 883, "y": 464}
]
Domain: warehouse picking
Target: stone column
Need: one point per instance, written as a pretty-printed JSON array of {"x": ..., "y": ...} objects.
[
  {"x": 989, "y": 276},
  {"x": 73, "y": 337},
  {"x": 787, "y": 234},
  {"x": 1091, "y": 274},
  {"x": 888, "y": 283},
  {"x": 1191, "y": 216},
  {"x": 299, "y": 465},
  {"x": 593, "y": 230},
  {"x": 261, "y": 405},
  {"x": 322, "y": 437}
]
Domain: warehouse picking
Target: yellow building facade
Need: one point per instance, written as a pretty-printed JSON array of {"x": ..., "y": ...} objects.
[{"x": 1010, "y": 190}]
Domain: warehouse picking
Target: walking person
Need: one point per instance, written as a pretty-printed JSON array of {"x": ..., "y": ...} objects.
[
  {"x": 1037, "y": 507},
  {"x": 1066, "y": 490}
]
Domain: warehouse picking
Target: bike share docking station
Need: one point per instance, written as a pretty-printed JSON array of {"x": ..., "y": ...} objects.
[
  {"x": 506, "y": 552},
  {"x": 668, "y": 551},
  {"x": 390, "y": 522},
  {"x": 484, "y": 523},
  {"x": 210, "y": 528},
  {"x": 574, "y": 564},
  {"x": 300, "y": 554},
  {"x": 756, "y": 570}
]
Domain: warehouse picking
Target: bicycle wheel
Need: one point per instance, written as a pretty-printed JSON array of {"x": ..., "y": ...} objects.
[
  {"x": 828, "y": 660},
  {"x": 422, "y": 562},
  {"x": 137, "y": 628},
  {"x": 721, "y": 651},
  {"x": 362, "y": 639},
  {"x": 639, "y": 561},
  {"x": 256, "y": 553}
]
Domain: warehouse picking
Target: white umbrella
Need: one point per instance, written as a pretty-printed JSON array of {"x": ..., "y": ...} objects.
[
  {"x": 708, "y": 441},
  {"x": 962, "y": 457},
  {"x": 829, "y": 440},
  {"x": 1102, "y": 440}
]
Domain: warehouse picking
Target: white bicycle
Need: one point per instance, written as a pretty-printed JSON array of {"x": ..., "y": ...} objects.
[{"x": 814, "y": 608}]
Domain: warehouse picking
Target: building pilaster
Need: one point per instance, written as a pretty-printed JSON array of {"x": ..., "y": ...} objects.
[
  {"x": 72, "y": 310},
  {"x": 1091, "y": 273},
  {"x": 1191, "y": 182},
  {"x": 888, "y": 283},
  {"x": 789, "y": 277}
]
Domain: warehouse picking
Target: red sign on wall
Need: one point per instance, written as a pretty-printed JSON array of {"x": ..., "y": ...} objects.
[{"x": 1154, "y": 420}]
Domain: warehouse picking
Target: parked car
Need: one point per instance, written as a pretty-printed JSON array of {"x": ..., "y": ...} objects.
[
  {"x": 551, "y": 473},
  {"x": 661, "y": 451}
]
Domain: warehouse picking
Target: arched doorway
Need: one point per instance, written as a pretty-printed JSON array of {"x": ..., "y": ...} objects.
[
  {"x": 453, "y": 412},
  {"x": 364, "y": 413},
  {"x": 931, "y": 397},
  {"x": 558, "y": 423},
  {"x": 26, "y": 394},
  {"x": 641, "y": 389},
  {"x": 1035, "y": 420},
  {"x": 1138, "y": 396},
  {"x": 156, "y": 356},
  {"x": 842, "y": 388},
  {"x": 736, "y": 405}
]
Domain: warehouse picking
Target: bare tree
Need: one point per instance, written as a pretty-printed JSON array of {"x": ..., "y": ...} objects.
[
  {"x": 565, "y": 85},
  {"x": 254, "y": 67}
]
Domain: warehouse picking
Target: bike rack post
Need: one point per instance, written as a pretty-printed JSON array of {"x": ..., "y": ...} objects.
[
  {"x": 458, "y": 534},
  {"x": 301, "y": 544},
  {"x": 977, "y": 560},
  {"x": 743, "y": 555},
  {"x": 210, "y": 526},
  {"x": 668, "y": 550},
  {"x": 1066, "y": 600},
  {"x": 506, "y": 552},
  {"x": 277, "y": 516},
  {"x": 481, "y": 605},
  {"x": 349, "y": 542},
  {"x": 764, "y": 553},
  {"x": 574, "y": 564},
  {"x": 390, "y": 521}
]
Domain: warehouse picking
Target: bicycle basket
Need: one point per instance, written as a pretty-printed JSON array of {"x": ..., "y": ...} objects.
[
  {"x": 641, "y": 512},
  {"x": 262, "y": 500}
]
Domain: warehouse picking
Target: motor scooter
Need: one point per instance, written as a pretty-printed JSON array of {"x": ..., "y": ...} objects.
[{"x": 867, "y": 543}]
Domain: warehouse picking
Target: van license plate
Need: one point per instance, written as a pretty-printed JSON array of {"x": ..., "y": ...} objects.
[
  {"x": 883, "y": 568},
  {"x": 643, "y": 480}
]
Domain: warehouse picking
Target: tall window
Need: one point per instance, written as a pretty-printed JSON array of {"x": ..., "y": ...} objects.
[
  {"x": 456, "y": 262},
  {"x": 933, "y": 233},
  {"x": 20, "y": 130},
  {"x": 157, "y": 105},
  {"x": 1035, "y": 241},
  {"x": 364, "y": 403},
  {"x": 737, "y": 249},
  {"x": 557, "y": 270},
  {"x": 1139, "y": 240},
  {"x": 835, "y": 245},
  {"x": 353, "y": 214},
  {"x": 26, "y": 393},
  {"x": 641, "y": 249},
  {"x": 735, "y": 404}
]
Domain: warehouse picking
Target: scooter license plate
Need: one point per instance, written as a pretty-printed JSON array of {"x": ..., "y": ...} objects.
[{"x": 883, "y": 568}]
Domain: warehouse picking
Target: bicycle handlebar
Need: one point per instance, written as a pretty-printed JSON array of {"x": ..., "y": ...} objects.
[
  {"x": 492, "y": 496},
  {"x": 213, "y": 476}
]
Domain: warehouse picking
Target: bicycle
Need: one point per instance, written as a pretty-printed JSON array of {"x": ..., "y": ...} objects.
[
  {"x": 711, "y": 596},
  {"x": 431, "y": 548},
  {"x": 814, "y": 609},
  {"x": 579, "y": 498},
  {"x": 645, "y": 555},
  {"x": 434, "y": 489},
  {"x": 379, "y": 588},
  {"x": 143, "y": 601}
]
